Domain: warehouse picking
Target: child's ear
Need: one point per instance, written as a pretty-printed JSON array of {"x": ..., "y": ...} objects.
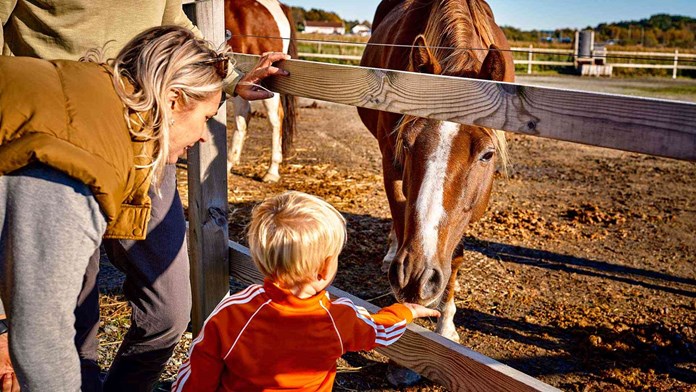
[{"x": 323, "y": 272}]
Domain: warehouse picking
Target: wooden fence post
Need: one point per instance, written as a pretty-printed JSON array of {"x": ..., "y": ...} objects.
[
  {"x": 207, "y": 182},
  {"x": 530, "y": 58},
  {"x": 676, "y": 63},
  {"x": 576, "y": 49}
]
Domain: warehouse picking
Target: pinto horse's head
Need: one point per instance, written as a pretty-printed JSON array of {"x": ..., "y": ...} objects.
[{"x": 448, "y": 171}]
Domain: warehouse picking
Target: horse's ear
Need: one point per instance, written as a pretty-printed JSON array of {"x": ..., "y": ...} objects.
[
  {"x": 493, "y": 67},
  {"x": 422, "y": 60}
]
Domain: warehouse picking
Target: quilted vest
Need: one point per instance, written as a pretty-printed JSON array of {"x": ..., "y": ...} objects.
[{"x": 66, "y": 115}]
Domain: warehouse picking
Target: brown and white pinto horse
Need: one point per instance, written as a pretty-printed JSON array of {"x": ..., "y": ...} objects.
[
  {"x": 437, "y": 174},
  {"x": 251, "y": 23}
]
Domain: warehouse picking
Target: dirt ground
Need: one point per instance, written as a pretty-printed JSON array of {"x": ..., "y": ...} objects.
[{"x": 582, "y": 272}]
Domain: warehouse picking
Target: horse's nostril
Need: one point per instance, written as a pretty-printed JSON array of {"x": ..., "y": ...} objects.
[
  {"x": 436, "y": 278},
  {"x": 431, "y": 284},
  {"x": 398, "y": 271}
]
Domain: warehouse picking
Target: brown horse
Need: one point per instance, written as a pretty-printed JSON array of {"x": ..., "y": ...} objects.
[
  {"x": 259, "y": 26},
  {"x": 437, "y": 174}
]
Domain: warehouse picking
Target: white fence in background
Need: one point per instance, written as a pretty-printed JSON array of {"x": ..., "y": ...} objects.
[{"x": 658, "y": 57}]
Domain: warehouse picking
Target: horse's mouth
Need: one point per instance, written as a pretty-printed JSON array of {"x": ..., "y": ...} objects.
[{"x": 402, "y": 297}]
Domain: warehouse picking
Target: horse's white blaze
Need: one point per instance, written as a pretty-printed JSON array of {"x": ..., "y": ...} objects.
[
  {"x": 281, "y": 20},
  {"x": 429, "y": 208}
]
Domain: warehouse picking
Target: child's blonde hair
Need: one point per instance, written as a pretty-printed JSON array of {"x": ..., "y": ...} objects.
[{"x": 291, "y": 235}]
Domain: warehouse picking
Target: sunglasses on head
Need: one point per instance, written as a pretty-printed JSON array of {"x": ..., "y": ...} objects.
[{"x": 220, "y": 63}]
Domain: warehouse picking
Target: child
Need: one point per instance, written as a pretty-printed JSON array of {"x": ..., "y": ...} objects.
[{"x": 287, "y": 333}]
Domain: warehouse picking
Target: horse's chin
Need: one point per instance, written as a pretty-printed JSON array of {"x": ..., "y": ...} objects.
[{"x": 435, "y": 301}]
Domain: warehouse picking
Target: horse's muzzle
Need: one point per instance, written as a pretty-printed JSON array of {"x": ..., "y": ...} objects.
[{"x": 413, "y": 279}]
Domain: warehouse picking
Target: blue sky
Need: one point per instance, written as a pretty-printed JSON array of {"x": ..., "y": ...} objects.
[{"x": 534, "y": 14}]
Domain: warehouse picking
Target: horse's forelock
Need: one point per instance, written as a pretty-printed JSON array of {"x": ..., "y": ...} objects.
[
  {"x": 404, "y": 123},
  {"x": 500, "y": 144},
  {"x": 456, "y": 30},
  {"x": 457, "y": 24}
]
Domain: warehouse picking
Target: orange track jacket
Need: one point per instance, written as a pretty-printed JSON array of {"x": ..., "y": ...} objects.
[{"x": 266, "y": 339}]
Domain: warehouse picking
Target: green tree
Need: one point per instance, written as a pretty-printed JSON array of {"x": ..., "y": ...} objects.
[{"x": 298, "y": 14}]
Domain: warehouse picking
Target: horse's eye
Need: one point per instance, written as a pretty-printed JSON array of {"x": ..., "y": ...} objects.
[{"x": 487, "y": 156}]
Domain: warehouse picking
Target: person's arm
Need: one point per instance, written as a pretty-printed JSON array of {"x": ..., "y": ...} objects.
[
  {"x": 248, "y": 85},
  {"x": 231, "y": 82},
  {"x": 364, "y": 331},
  {"x": 203, "y": 369},
  {"x": 174, "y": 15},
  {"x": 236, "y": 82},
  {"x": 6, "y": 8}
]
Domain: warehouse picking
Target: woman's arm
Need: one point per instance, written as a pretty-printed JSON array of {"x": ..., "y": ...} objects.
[
  {"x": 248, "y": 86},
  {"x": 174, "y": 15}
]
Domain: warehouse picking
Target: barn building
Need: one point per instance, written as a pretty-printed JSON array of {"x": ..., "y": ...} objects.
[
  {"x": 324, "y": 27},
  {"x": 361, "y": 29}
]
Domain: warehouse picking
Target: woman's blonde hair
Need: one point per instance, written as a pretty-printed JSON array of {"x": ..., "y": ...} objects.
[
  {"x": 155, "y": 62},
  {"x": 292, "y": 234}
]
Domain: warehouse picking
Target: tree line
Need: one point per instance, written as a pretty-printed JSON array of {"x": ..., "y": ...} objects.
[{"x": 661, "y": 30}]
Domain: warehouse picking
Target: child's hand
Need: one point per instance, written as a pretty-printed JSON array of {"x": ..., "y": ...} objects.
[{"x": 421, "y": 311}]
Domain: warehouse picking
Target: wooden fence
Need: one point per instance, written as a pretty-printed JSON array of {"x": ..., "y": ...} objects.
[
  {"x": 656, "y": 127},
  {"x": 207, "y": 189},
  {"x": 664, "y": 60},
  {"x": 649, "y": 126}
]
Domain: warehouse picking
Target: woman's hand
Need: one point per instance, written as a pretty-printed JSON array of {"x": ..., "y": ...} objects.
[
  {"x": 7, "y": 375},
  {"x": 248, "y": 87}
]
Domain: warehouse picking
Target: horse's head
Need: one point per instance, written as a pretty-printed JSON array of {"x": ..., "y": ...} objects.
[{"x": 447, "y": 176}]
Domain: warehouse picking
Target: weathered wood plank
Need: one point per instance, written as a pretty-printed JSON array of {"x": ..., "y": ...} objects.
[
  {"x": 207, "y": 184},
  {"x": 440, "y": 360},
  {"x": 329, "y": 56},
  {"x": 650, "y": 126}
]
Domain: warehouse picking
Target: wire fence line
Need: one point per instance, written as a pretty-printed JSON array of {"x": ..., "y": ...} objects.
[
  {"x": 633, "y": 55},
  {"x": 325, "y": 49}
]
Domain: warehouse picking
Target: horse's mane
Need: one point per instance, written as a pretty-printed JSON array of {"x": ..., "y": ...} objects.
[
  {"x": 451, "y": 33},
  {"x": 383, "y": 9}
]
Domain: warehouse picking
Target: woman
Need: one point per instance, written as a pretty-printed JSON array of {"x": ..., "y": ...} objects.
[{"x": 80, "y": 144}]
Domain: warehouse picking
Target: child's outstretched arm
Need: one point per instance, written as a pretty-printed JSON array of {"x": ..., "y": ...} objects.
[{"x": 360, "y": 330}]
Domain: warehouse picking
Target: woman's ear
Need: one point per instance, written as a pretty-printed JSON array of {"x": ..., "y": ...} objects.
[{"x": 174, "y": 99}]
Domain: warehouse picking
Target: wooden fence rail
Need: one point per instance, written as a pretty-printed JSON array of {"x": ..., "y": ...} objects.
[{"x": 650, "y": 126}]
